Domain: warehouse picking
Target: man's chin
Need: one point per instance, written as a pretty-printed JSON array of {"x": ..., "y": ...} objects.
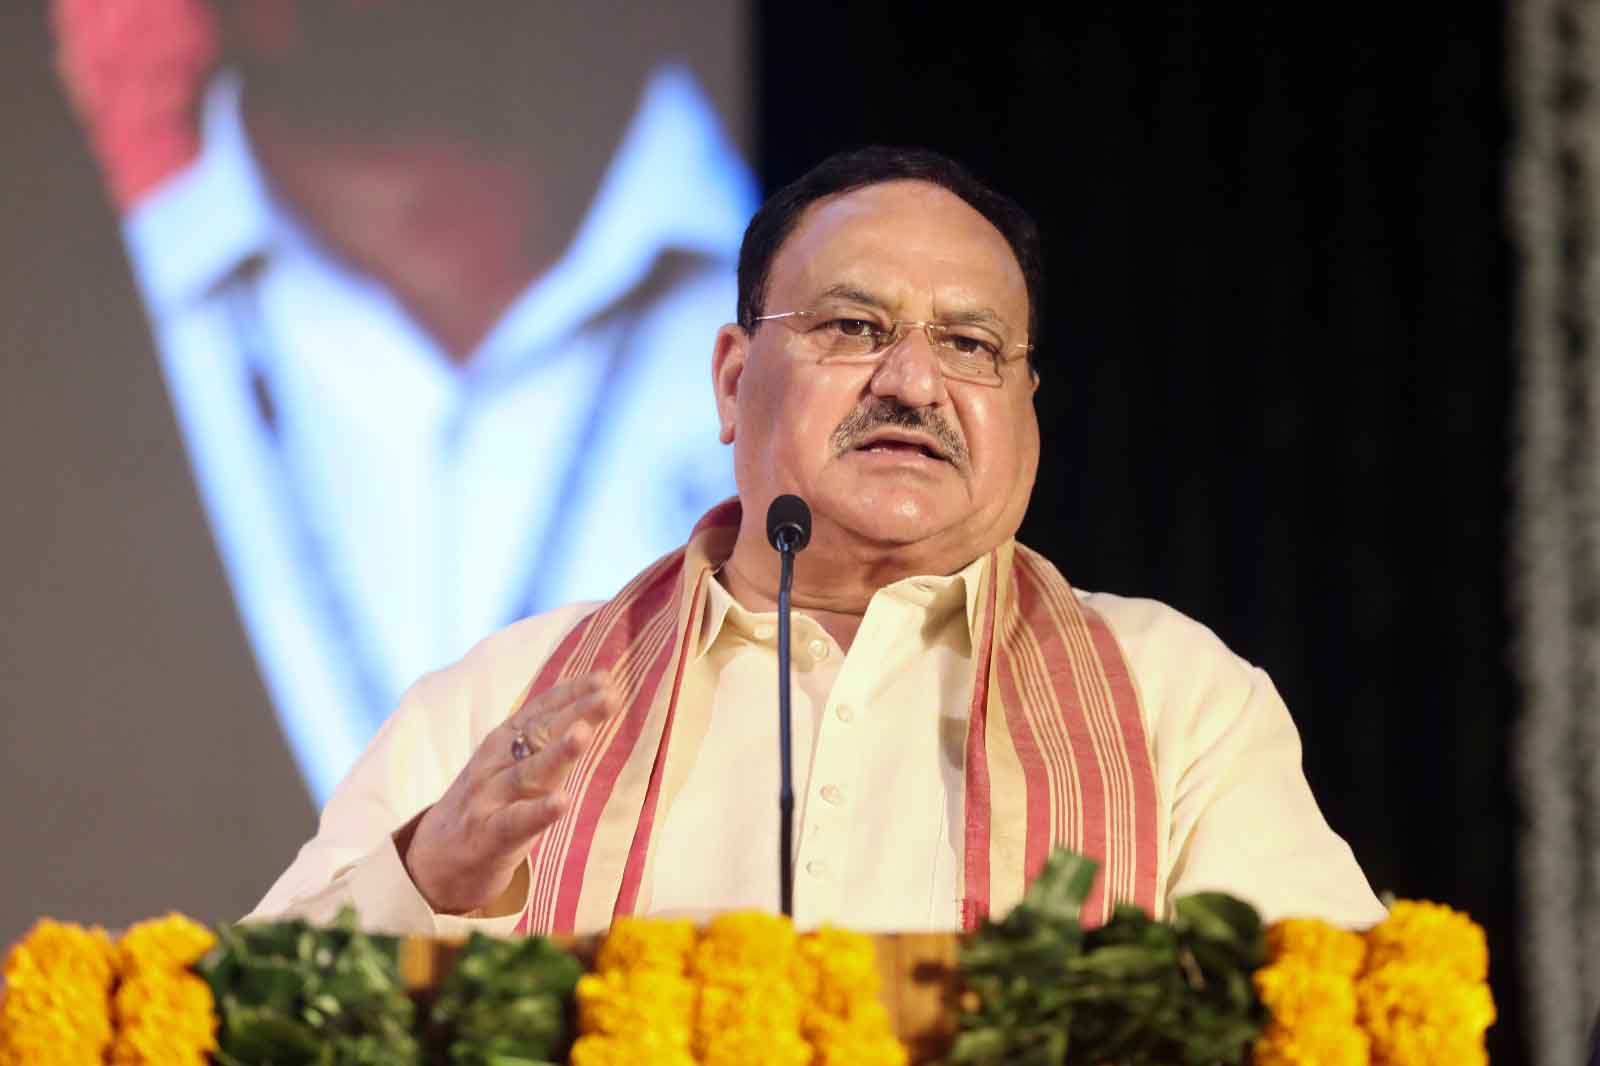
[{"x": 893, "y": 520}]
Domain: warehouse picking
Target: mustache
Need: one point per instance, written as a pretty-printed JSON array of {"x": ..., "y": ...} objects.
[{"x": 864, "y": 420}]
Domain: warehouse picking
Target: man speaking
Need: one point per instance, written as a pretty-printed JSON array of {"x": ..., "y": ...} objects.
[{"x": 958, "y": 709}]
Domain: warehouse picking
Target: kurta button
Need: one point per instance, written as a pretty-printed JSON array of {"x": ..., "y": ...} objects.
[
  {"x": 819, "y": 649},
  {"x": 833, "y": 794},
  {"x": 844, "y": 712},
  {"x": 817, "y": 868},
  {"x": 763, "y": 632}
]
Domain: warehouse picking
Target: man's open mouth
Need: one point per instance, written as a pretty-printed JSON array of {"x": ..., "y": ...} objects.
[{"x": 893, "y": 446}]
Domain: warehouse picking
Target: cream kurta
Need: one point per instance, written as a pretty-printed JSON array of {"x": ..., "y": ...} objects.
[{"x": 877, "y": 736}]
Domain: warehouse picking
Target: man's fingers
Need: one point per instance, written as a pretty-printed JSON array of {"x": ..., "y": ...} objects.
[
  {"x": 559, "y": 698},
  {"x": 544, "y": 772},
  {"x": 519, "y": 822},
  {"x": 532, "y": 731}
]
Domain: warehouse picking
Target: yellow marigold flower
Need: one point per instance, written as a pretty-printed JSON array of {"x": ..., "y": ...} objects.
[
  {"x": 646, "y": 944},
  {"x": 637, "y": 1005},
  {"x": 597, "y": 1050},
  {"x": 56, "y": 1007},
  {"x": 1313, "y": 1011},
  {"x": 750, "y": 1045},
  {"x": 165, "y": 1014},
  {"x": 770, "y": 1004},
  {"x": 1432, "y": 933},
  {"x": 170, "y": 943},
  {"x": 862, "y": 1038},
  {"x": 1312, "y": 1045},
  {"x": 165, "y": 1017},
  {"x": 741, "y": 946},
  {"x": 844, "y": 1021},
  {"x": 1317, "y": 944},
  {"x": 1417, "y": 1013},
  {"x": 835, "y": 968},
  {"x": 1299, "y": 995}
]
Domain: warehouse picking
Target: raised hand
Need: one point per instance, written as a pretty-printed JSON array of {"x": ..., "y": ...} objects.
[{"x": 465, "y": 850}]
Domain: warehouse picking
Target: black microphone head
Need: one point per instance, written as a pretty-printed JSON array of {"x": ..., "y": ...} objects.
[{"x": 789, "y": 523}]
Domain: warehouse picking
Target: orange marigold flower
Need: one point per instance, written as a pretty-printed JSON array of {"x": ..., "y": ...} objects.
[
  {"x": 1313, "y": 1009},
  {"x": 646, "y": 944},
  {"x": 165, "y": 1017},
  {"x": 1299, "y": 995},
  {"x": 1417, "y": 931},
  {"x": 1418, "y": 1013},
  {"x": 170, "y": 943},
  {"x": 1316, "y": 944},
  {"x": 165, "y": 1014},
  {"x": 56, "y": 1007}
]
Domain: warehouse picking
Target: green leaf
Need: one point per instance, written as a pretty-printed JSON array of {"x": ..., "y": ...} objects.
[
  {"x": 1062, "y": 886},
  {"x": 1134, "y": 991}
]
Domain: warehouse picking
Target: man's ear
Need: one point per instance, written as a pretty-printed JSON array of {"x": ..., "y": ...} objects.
[{"x": 727, "y": 366}]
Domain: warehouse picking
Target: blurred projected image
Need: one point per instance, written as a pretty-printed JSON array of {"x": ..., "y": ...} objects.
[{"x": 425, "y": 279}]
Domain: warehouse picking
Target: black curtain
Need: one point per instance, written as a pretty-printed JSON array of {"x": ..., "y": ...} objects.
[{"x": 1276, "y": 356}]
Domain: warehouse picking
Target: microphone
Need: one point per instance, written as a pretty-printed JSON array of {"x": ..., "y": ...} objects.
[
  {"x": 788, "y": 530},
  {"x": 788, "y": 523}
]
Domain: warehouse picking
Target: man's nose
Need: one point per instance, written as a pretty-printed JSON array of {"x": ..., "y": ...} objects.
[{"x": 910, "y": 371}]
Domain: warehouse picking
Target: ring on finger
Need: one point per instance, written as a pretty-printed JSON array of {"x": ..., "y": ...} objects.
[{"x": 524, "y": 745}]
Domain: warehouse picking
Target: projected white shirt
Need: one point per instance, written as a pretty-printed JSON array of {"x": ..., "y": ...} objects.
[{"x": 379, "y": 508}]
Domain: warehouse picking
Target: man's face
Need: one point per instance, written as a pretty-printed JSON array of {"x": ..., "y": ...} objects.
[{"x": 855, "y": 440}]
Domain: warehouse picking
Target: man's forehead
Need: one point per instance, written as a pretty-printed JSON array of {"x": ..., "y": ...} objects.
[{"x": 895, "y": 235}]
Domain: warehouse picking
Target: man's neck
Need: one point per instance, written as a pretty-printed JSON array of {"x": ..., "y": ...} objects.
[
  {"x": 832, "y": 587},
  {"x": 454, "y": 232}
]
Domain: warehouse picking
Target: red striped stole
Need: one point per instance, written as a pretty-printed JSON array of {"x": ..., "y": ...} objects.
[{"x": 1056, "y": 752}]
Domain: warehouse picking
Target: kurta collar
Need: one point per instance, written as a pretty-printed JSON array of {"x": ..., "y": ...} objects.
[{"x": 935, "y": 594}]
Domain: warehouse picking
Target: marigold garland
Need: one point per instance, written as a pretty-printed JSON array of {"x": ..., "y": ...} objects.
[
  {"x": 638, "y": 1005},
  {"x": 1418, "y": 931},
  {"x": 1423, "y": 996},
  {"x": 56, "y": 1008},
  {"x": 843, "y": 1020},
  {"x": 1411, "y": 991},
  {"x": 165, "y": 1014},
  {"x": 745, "y": 989},
  {"x": 749, "y": 1008}
]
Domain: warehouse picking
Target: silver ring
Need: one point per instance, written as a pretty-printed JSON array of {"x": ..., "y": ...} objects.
[{"x": 520, "y": 748}]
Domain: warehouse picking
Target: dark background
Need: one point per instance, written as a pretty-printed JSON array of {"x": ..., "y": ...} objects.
[{"x": 1276, "y": 356}]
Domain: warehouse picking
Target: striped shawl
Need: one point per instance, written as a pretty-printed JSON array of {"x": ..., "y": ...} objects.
[{"x": 1056, "y": 749}]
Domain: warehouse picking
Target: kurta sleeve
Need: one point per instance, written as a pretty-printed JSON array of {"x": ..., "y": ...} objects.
[
  {"x": 352, "y": 860},
  {"x": 1244, "y": 819},
  {"x": 1237, "y": 813}
]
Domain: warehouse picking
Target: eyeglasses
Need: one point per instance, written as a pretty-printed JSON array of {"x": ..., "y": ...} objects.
[{"x": 966, "y": 352}]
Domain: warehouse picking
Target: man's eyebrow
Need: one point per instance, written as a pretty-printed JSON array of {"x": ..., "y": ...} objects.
[
  {"x": 846, "y": 291},
  {"x": 977, "y": 316}
]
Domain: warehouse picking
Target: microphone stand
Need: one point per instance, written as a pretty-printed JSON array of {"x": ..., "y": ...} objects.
[
  {"x": 785, "y": 758},
  {"x": 788, "y": 530}
]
